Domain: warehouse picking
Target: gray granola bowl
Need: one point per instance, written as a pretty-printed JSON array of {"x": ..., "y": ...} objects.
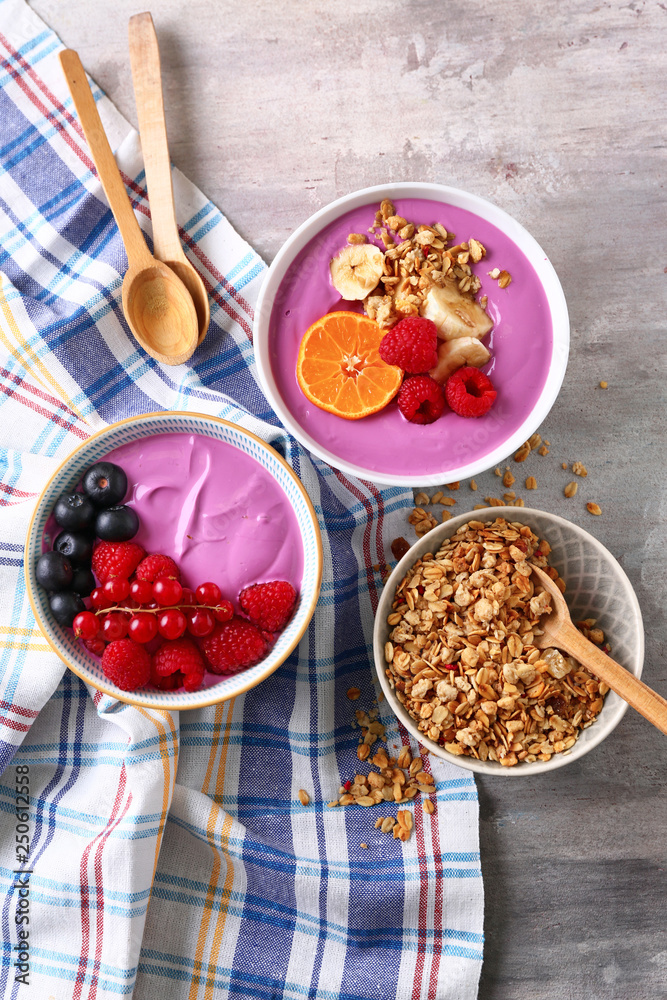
[{"x": 597, "y": 588}]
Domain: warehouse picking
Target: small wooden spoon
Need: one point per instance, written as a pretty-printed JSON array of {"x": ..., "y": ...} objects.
[
  {"x": 157, "y": 305},
  {"x": 145, "y": 61},
  {"x": 561, "y": 633}
]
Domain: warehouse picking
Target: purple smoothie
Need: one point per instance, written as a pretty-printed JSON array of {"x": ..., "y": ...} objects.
[
  {"x": 520, "y": 344},
  {"x": 215, "y": 510}
]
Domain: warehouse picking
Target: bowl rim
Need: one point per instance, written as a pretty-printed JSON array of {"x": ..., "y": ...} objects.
[
  {"x": 126, "y": 696},
  {"x": 459, "y": 198},
  {"x": 426, "y": 544}
]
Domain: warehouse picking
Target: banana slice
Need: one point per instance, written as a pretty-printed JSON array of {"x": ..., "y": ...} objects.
[
  {"x": 356, "y": 270},
  {"x": 455, "y": 315},
  {"x": 453, "y": 354}
]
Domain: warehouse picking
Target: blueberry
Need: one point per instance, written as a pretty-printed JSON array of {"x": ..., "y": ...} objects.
[
  {"x": 54, "y": 571},
  {"x": 83, "y": 582},
  {"x": 105, "y": 484},
  {"x": 74, "y": 511},
  {"x": 116, "y": 524},
  {"x": 76, "y": 546},
  {"x": 65, "y": 606}
]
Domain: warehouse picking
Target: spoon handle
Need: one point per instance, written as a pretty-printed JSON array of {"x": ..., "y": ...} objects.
[
  {"x": 637, "y": 694},
  {"x": 147, "y": 79},
  {"x": 135, "y": 246}
]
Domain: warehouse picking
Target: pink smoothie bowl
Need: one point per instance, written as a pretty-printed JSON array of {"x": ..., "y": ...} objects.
[
  {"x": 529, "y": 342},
  {"x": 219, "y": 501}
]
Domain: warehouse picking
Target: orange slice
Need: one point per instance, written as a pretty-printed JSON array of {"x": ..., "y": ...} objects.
[{"x": 340, "y": 370}]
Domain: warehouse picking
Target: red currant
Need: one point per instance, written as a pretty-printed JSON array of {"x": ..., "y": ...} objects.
[
  {"x": 141, "y": 591},
  {"x": 86, "y": 625},
  {"x": 114, "y": 626},
  {"x": 224, "y": 611},
  {"x": 167, "y": 591},
  {"x": 116, "y": 589},
  {"x": 171, "y": 624},
  {"x": 95, "y": 646},
  {"x": 188, "y": 596},
  {"x": 98, "y": 598},
  {"x": 142, "y": 627},
  {"x": 208, "y": 593},
  {"x": 200, "y": 622}
]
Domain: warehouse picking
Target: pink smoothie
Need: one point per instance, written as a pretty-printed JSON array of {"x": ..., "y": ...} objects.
[
  {"x": 520, "y": 345},
  {"x": 215, "y": 510}
]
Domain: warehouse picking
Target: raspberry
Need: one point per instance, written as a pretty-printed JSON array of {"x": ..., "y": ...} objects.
[
  {"x": 233, "y": 646},
  {"x": 181, "y": 655},
  {"x": 269, "y": 605},
  {"x": 126, "y": 664},
  {"x": 420, "y": 399},
  {"x": 116, "y": 559},
  {"x": 154, "y": 566},
  {"x": 412, "y": 345},
  {"x": 169, "y": 683},
  {"x": 470, "y": 392}
]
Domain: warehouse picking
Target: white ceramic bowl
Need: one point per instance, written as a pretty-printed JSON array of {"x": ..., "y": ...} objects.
[
  {"x": 528, "y": 382},
  {"x": 597, "y": 587},
  {"x": 67, "y": 476}
]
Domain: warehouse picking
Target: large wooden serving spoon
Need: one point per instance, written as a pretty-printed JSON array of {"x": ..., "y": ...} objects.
[
  {"x": 147, "y": 79},
  {"x": 157, "y": 305},
  {"x": 561, "y": 633}
]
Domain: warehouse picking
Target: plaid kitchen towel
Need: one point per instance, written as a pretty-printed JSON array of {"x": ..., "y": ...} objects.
[{"x": 142, "y": 853}]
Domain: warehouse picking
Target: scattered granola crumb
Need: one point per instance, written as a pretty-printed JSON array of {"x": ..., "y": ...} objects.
[
  {"x": 543, "y": 450},
  {"x": 399, "y": 547},
  {"x": 519, "y": 502},
  {"x": 448, "y": 501},
  {"x": 593, "y": 508},
  {"x": 437, "y": 497},
  {"x": 497, "y": 471},
  {"x": 504, "y": 279},
  {"x": 494, "y": 502},
  {"x": 508, "y": 479},
  {"x": 304, "y": 797},
  {"x": 365, "y": 846},
  {"x": 563, "y": 465},
  {"x": 332, "y": 804},
  {"x": 579, "y": 469},
  {"x": 422, "y": 521},
  {"x": 473, "y": 484},
  {"x": 495, "y": 273},
  {"x": 428, "y": 806},
  {"x": 446, "y": 515},
  {"x": 480, "y": 506},
  {"x": 452, "y": 486},
  {"x": 604, "y": 385},
  {"x": 422, "y": 500},
  {"x": 571, "y": 489},
  {"x": 510, "y": 496},
  {"x": 531, "y": 483},
  {"x": 356, "y": 238},
  {"x": 523, "y": 452},
  {"x": 535, "y": 440},
  {"x": 353, "y": 693}
]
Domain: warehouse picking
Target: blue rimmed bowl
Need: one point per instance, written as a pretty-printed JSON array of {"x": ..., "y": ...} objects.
[{"x": 69, "y": 474}]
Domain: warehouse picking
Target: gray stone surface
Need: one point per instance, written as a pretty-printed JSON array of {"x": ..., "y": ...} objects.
[{"x": 554, "y": 110}]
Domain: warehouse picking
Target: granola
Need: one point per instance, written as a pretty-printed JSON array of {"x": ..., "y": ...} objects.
[{"x": 461, "y": 654}]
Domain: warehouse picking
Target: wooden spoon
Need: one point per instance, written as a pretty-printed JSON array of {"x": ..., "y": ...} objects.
[
  {"x": 561, "y": 633},
  {"x": 145, "y": 61},
  {"x": 156, "y": 303}
]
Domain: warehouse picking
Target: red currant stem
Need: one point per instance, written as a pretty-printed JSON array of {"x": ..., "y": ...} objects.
[{"x": 155, "y": 611}]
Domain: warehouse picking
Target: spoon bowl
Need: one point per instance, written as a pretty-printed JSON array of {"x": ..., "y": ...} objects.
[
  {"x": 559, "y": 631},
  {"x": 158, "y": 309}
]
